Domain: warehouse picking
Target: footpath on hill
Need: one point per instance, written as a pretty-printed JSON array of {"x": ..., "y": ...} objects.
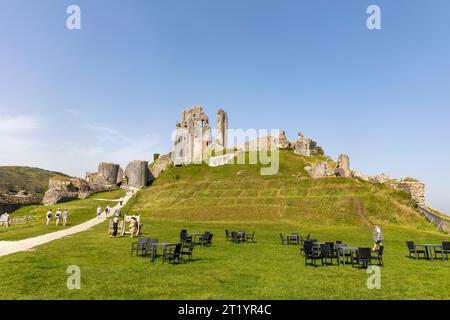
[{"x": 10, "y": 247}]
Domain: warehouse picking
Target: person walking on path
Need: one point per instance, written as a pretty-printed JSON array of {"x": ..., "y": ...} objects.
[
  {"x": 99, "y": 212},
  {"x": 58, "y": 215},
  {"x": 377, "y": 237},
  {"x": 49, "y": 215},
  {"x": 65, "y": 216},
  {"x": 107, "y": 210},
  {"x": 121, "y": 201}
]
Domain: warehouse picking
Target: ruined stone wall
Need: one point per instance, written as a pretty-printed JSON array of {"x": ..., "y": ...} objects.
[
  {"x": 302, "y": 145},
  {"x": 343, "y": 166},
  {"x": 109, "y": 170},
  {"x": 137, "y": 174},
  {"x": 161, "y": 164},
  {"x": 415, "y": 188},
  {"x": 192, "y": 138},
  {"x": 10, "y": 203},
  {"x": 61, "y": 189},
  {"x": 222, "y": 128}
]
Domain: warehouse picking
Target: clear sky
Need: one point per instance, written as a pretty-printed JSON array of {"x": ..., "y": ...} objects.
[{"x": 114, "y": 89}]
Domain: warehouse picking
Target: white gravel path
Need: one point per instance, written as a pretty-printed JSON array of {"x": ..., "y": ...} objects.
[{"x": 10, "y": 247}]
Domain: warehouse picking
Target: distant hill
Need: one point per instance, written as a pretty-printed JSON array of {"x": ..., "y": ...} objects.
[{"x": 34, "y": 180}]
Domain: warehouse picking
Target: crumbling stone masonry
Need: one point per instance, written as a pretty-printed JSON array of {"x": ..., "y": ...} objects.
[
  {"x": 192, "y": 137},
  {"x": 109, "y": 170},
  {"x": 137, "y": 174},
  {"x": 343, "y": 166},
  {"x": 222, "y": 129},
  {"x": 302, "y": 145},
  {"x": 415, "y": 188}
]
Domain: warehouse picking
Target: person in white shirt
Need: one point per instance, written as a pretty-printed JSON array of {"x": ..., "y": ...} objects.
[
  {"x": 99, "y": 212},
  {"x": 377, "y": 236},
  {"x": 49, "y": 215},
  {"x": 58, "y": 216},
  {"x": 65, "y": 216},
  {"x": 5, "y": 219}
]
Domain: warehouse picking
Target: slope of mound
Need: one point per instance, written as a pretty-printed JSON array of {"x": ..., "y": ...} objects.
[
  {"x": 34, "y": 180},
  {"x": 238, "y": 193}
]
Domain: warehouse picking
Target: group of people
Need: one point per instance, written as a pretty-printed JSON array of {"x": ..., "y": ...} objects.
[
  {"x": 134, "y": 226},
  {"x": 58, "y": 215},
  {"x": 99, "y": 211}
]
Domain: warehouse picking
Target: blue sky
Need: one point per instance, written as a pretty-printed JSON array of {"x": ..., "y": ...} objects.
[{"x": 114, "y": 89}]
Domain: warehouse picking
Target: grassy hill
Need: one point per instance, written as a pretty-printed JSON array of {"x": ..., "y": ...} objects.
[
  {"x": 34, "y": 180},
  {"x": 235, "y": 193},
  {"x": 233, "y": 197}
]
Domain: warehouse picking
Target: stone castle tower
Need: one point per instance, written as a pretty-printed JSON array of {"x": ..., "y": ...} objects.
[
  {"x": 192, "y": 137},
  {"x": 222, "y": 129}
]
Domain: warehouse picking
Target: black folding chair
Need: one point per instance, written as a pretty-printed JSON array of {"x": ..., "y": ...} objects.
[
  {"x": 187, "y": 251},
  {"x": 413, "y": 249},
  {"x": 327, "y": 253},
  {"x": 173, "y": 254},
  {"x": 140, "y": 245},
  {"x": 362, "y": 257},
  {"x": 311, "y": 255},
  {"x": 378, "y": 257},
  {"x": 284, "y": 240},
  {"x": 250, "y": 237},
  {"x": 444, "y": 250}
]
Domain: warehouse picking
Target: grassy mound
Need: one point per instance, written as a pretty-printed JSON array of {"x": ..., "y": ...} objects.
[{"x": 236, "y": 193}]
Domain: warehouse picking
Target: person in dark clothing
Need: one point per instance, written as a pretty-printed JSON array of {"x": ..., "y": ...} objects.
[{"x": 115, "y": 226}]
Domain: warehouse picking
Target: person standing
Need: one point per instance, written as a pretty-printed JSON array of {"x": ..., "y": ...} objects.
[
  {"x": 115, "y": 226},
  {"x": 5, "y": 219},
  {"x": 65, "y": 216},
  {"x": 133, "y": 227},
  {"x": 377, "y": 236},
  {"x": 58, "y": 215},
  {"x": 49, "y": 215},
  {"x": 99, "y": 212},
  {"x": 107, "y": 210},
  {"x": 121, "y": 201}
]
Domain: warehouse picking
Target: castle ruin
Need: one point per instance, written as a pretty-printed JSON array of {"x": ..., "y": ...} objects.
[{"x": 193, "y": 136}]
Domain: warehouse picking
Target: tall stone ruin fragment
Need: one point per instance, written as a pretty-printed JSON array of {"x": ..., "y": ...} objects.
[
  {"x": 281, "y": 142},
  {"x": 222, "y": 129},
  {"x": 137, "y": 174},
  {"x": 109, "y": 170},
  {"x": 302, "y": 145},
  {"x": 343, "y": 166},
  {"x": 192, "y": 137}
]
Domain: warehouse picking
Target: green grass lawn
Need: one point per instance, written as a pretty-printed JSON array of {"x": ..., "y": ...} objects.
[
  {"x": 262, "y": 270},
  {"x": 199, "y": 198},
  {"x": 79, "y": 211}
]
